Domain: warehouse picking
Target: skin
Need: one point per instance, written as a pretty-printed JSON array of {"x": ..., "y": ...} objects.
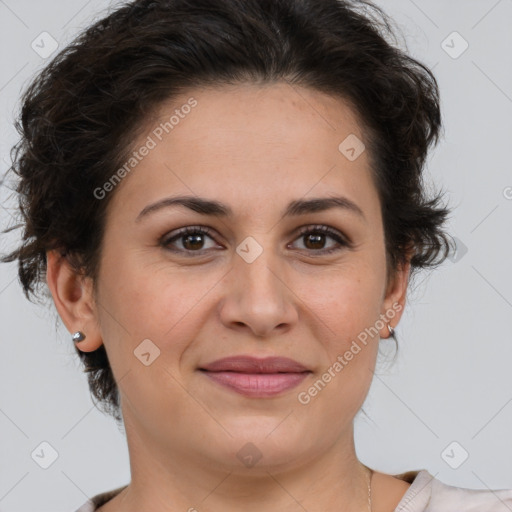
[{"x": 254, "y": 148}]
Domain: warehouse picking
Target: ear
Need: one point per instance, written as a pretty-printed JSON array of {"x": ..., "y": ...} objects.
[
  {"x": 73, "y": 298},
  {"x": 393, "y": 304}
]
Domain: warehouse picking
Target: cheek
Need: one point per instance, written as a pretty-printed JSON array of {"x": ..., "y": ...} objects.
[
  {"x": 348, "y": 308},
  {"x": 154, "y": 302},
  {"x": 347, "y": 302},
  {"x": 148, "y": 320}
]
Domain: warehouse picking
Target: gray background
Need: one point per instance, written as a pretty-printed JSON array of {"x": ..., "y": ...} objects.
[{"x": 452, "y": 381}]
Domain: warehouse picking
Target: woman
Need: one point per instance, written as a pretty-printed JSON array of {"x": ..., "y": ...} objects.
[{"x": 225, "y": 200}]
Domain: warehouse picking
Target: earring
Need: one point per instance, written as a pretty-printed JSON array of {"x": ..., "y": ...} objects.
[
  {"x": 391, "y": 330},
  {"x": 78, "y": 336}
]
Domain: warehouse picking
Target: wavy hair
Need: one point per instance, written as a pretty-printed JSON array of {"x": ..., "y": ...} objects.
[{"x": 80, "y": 115}]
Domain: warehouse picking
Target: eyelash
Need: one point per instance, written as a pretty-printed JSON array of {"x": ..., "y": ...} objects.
[{"x": 305, "y": 230}]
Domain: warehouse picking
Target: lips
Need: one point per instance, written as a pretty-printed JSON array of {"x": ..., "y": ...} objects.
[
  {"x": 254, "y": 377},
  {"x": 248, "y": 364}
]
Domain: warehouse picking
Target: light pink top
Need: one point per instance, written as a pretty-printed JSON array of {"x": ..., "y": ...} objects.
[{"x": 425, "y": 494}]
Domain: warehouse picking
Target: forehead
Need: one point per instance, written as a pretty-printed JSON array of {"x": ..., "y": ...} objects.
[
  {"x": 277, "y": 114},
  {"x": 250, "y": 141}
]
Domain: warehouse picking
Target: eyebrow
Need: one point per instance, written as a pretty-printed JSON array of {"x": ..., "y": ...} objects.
[{"x": 217, "y": 209}]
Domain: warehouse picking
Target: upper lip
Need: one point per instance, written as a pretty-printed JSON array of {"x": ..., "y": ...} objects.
[{"x": 249, "y": 364}]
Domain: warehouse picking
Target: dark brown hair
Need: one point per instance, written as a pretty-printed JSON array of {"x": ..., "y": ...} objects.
[{"x": 79, "y": 117}]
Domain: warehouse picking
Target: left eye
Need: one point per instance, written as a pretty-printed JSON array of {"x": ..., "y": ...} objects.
[
  {"x": 317, "y": 234},
  {"x": 192, "y": 239}
]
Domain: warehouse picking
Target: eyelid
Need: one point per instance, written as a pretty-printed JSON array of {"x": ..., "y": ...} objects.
[
  {"x": 176, "y": 234},
  {"x": 339, "y": 237},
  {"x": 326, "y": 229}
]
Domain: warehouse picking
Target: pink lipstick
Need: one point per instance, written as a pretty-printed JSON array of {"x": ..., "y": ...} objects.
[{"x": 255, "y": 377}]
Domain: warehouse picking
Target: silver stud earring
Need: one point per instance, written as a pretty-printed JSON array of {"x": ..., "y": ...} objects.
[
  {"x": 78, "y": 336},
  {"x": 391, "y": 330}
]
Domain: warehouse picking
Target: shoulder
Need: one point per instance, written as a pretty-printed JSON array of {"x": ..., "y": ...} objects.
[
  {"x": 98, "y": 500},
  {"x": 428, "y": 494},
  {"x": 473, "y": 500}
]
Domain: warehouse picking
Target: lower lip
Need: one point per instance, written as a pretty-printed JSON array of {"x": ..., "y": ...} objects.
[{"x": 258, "y": 385}]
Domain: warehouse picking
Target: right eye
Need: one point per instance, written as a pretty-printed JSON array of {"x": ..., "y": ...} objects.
[{"x": 190, "y": 237}]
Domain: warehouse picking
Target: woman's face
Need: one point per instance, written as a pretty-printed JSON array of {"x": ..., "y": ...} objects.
[{"x": 168, "y": 306}]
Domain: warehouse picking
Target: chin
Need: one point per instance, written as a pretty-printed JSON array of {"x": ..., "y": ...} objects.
[{"x": 261, "y": 443}]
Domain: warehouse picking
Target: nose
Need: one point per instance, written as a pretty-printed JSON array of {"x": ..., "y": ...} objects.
[{"x": 257, "y": 298}]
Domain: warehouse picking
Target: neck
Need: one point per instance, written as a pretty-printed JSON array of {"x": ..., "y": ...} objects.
[{"x": 332, "y": 481}]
